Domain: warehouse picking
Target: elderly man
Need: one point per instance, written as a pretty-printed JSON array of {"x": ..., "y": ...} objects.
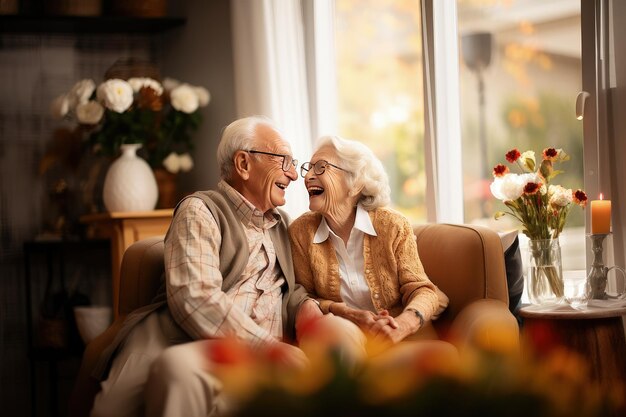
[{"x": 229, "y": 271}]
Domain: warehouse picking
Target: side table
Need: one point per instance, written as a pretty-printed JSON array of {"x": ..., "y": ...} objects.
[
  {"x": 124, "y": 229},
  {"x": 594, "y": 332}
]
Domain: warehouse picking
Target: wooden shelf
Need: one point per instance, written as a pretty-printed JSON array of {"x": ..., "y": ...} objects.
[{"x": 87, "y": 24}]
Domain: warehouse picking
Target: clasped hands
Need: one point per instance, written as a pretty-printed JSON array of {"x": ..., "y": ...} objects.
[{"x": 380, "y": 326}]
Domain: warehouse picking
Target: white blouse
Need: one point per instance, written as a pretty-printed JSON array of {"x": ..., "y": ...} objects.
[{"x": 354, "y": 289}]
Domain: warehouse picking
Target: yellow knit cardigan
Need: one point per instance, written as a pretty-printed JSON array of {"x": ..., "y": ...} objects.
[{"x": 393, "y": 270}]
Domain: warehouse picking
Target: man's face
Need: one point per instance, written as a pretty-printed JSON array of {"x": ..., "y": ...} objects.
[{"x": 268, "y": 181}]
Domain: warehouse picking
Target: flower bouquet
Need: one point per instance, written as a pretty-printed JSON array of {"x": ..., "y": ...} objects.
[
  {"x": 159, "y": 116},
  {"x": 542, "y": 210}
]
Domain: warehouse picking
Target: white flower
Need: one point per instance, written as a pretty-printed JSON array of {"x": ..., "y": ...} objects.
[
  {"x": 204, "y": 97},
  {"x": 528, "y": 160},
  {"x": 81, "y": 92},
  {"x": 184, "y": 98},
  {"x": 138, "y": 82},
  {"x": 559, "y": 196},
  {"x": 170, "y": 83},
  {"x": 172, "y": 163},
  {"x": 186, "y": 162},
  {"x": 60, "y": 106},
  {"x": 508, "y": 187},
  {"x": 89, "y": 113},
  {"x": 530, "y": 177},
  {"x": 511, "y": 186},
  {"x": 116, "y": 95}
]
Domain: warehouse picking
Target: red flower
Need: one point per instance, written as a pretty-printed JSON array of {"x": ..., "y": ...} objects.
[
  {"x": 500, "y": 170},
  {"x": 513, "y": 155},
  {"x": 229, "y": 351},
  {"x": 580, "y": 198},
  {"x": 550, "y": 154},
  {"x": 532, "y": 187}
]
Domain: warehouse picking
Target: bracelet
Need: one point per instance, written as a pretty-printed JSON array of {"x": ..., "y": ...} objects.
[{"x": 418, "y": 314}]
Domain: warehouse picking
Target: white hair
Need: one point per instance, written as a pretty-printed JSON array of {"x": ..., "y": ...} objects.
[
  {"x": 364, "y": 170},
  {"x": 237, "y": 136}
]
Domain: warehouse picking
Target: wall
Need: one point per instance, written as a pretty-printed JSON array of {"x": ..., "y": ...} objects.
[
  {"x": 202, "y": 54},
  {"x": 617, "y": 131},
  {"x": 34, "y": 69}
]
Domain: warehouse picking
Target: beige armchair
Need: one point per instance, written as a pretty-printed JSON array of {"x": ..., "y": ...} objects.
[
  {"x": 140, "y": 276},
  {"x": 465, "y": 262}
]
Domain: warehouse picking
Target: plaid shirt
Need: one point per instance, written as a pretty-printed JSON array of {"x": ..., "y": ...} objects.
[{"x": 251, "y": 309}]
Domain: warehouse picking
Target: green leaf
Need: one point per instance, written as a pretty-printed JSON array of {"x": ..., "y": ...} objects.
[{"x": 546, "y": 169}]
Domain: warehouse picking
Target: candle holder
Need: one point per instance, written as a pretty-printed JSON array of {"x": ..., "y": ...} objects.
[{"x": 597, "y": 277}]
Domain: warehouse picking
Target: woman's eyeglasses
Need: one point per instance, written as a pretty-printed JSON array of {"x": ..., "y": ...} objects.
[
  {"x": 318, "y": 168},
  {"x": 288, "y": 160}
]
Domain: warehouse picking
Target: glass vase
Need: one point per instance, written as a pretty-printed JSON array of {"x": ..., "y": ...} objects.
[{"x": 545, "y": 273}]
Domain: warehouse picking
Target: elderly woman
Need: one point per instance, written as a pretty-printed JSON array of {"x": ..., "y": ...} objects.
[{"x": 355, "y": 256}]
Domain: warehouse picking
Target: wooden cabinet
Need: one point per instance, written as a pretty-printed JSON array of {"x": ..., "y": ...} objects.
[{"x": 123, "y": 229}]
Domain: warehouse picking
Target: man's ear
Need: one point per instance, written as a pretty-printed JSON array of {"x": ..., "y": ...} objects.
[{"x": 242, "y": 164}]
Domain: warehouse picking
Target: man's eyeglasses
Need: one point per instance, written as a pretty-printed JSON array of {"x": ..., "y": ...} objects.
[
  {"x": 319, "y": 167},
  {"x": 288, "y": 160}
]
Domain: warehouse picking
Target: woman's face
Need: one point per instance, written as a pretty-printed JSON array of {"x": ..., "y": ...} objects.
[{"x": 328, "y": 192}]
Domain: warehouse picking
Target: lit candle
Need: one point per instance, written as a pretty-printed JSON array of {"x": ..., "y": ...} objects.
[{"x": 600, "y": 216}]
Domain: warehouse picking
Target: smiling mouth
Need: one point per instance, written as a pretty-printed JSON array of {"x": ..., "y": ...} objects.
[
  {"x": 314, "y": 191},
  {"x": 281, "y": 186}
]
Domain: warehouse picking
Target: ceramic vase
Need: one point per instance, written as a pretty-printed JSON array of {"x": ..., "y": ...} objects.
[
  {"x": 130, "y": 184},
  {"x": 545, "y": 273}
]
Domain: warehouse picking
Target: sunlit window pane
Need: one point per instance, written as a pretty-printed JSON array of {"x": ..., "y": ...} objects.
[
  {"x": 379, "y": 75},
  {"x": 519, "y": 76}
]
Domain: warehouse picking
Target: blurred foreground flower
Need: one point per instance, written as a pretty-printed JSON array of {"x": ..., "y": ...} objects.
[{"x": 483, "y": 382}]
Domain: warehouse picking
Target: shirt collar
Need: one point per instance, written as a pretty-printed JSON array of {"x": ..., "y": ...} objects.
[
  {"x": 362, "y": 222},
  {"x": 247, "y": 213}
]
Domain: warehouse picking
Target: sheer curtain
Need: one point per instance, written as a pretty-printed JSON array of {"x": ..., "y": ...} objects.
[
  {"x": 441, "y": 101},
  {"x": 271, "y": 75}
]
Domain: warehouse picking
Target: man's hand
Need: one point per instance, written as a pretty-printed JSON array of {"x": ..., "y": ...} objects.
[{"x": 308, "y": 313}]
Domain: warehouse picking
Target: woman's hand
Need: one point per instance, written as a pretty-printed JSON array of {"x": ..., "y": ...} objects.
[
  {"x": 407, "y": 323},
  {"x": 363, "y": 318}
]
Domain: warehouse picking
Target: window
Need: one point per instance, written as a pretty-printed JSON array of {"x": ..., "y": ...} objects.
[
  {"x": 520, "y": 71},
  {"x": 380, "y": 91}
]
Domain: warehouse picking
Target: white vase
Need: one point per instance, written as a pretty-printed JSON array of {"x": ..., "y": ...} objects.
[
  {"x": 130, "y": 184},
  {"x": 91, "y": 321}
]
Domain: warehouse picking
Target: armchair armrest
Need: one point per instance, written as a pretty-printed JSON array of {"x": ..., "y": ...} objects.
[{"x": 486, "y": 324}]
